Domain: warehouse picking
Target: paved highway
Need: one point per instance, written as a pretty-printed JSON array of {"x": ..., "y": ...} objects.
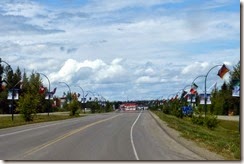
[{"x": 111, "y": 136}]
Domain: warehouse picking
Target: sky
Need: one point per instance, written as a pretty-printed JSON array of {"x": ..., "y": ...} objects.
[{"x": 121, "y": 50}]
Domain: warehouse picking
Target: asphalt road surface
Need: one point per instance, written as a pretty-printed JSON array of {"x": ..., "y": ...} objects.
[{"x": 111, "y": 136}]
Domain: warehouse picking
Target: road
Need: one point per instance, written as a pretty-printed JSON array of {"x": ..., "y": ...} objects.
[{"x": 111, "y": 136}]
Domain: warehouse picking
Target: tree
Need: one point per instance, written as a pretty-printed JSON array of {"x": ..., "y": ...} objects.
[
  {"x": 234, "y": 101},
  {"x": 30, "y": 100},
  {"x": 223, "y": 102},
  {"x": 74, "y": 107},
  {"x": 27, "y": 106}
]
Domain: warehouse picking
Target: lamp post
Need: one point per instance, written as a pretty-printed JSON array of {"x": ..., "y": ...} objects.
[
  {"x": 5, "y": 63},
  {"x": 12, "y": 96},
  {"x": 83, "y": 98},
  {"x": 197, "y": 78},
  {"x": 90, "y": 92},
  {"x": 69, "y": 89},
  {"x": 12, "y": 102},
  {"x": 49, "y": 86},
  {"x": 205, "y": 89}
]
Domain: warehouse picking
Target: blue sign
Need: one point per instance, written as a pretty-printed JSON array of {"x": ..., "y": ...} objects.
[{"x": 187, "y": 110}]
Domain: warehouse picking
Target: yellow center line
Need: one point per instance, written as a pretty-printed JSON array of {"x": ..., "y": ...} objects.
[{"x": 40, "y": 147}]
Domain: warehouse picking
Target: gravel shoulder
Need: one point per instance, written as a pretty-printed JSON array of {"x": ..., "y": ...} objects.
[{"x": 192, "y": 146}]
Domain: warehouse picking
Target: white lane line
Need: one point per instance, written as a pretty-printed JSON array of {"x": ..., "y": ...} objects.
[{"x": 131, "y": 137}]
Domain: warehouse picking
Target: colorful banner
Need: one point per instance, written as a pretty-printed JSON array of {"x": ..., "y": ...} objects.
[
  {"x": 202, "y": 98},
  {"x": 16, "y": 94}
]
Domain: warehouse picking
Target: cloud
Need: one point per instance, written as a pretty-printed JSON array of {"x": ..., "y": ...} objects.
[
  {"x": 195, "y": 67},
  {"x": 96, "y": 71},
  {"x": 131, "y": 47},
  {"x": 22, "y": 8},
  {"x": 147, "y": 79},
  {"x": 109, "y": 6}
]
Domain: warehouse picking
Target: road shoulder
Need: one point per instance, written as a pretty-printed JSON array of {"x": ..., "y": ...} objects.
[{"x": 192, "y": 146}]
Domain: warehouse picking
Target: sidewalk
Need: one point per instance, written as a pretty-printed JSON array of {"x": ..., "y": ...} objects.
[
  {"x": 230, "y": 118},
  {"x": 51, "y": 113}
]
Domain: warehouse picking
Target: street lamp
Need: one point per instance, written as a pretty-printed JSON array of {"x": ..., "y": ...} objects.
[
  {"x": 5, "y": 63},
  {"x": 205, "y": 89},
  {"x": 197, "y": 78},
  {"x": 12, "y": 102},
  {"x": 69, "y": 89},
  {"x": 1, "y": 61},
  {"x": 91, "y": 93},
  {"x": 49, "y": 86},
  {"x": 12, "y": 96},
  {"x": 83, "y": 98}
]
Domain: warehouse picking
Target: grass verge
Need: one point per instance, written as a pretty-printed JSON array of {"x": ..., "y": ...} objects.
[
  {"x": 6, "y": 121},
  {"x": 224, "y": 139}
]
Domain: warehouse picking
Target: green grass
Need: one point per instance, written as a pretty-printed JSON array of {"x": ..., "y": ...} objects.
[
  {"x": 6, "y": 121},
  {"x": 224, "y": 139}
]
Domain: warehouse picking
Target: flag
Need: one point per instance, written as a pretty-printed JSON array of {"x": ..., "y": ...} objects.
[
  {"x": 13, "y": 94},
  {"x": 202, "y": 98},
  {"x": 236, "y": 88},
  {"x": 41, "y": 90},
  {"x": 202, "y": 101},
  {"x": 193, "y": 98},
  {"x": 223, "y": 70},
  {"x": 193, "y": 91},
  {"x": 194, "y": 86},
  {"x": 188, "y": 98},
  {"x": 208, "y": 98},
  {"x": 54, "y": 91},
  {"x": 183, "y": 94}
]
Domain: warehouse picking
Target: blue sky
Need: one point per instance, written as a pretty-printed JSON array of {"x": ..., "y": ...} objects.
[{"x": 121, "y": 49}]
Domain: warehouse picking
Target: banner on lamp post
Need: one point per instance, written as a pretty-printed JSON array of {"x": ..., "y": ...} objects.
[
  {"x": 202, "y": 101},
  {"x": 11, "y": 92}
]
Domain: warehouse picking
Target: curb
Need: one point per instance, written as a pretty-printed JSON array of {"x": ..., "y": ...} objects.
[{"x": 190, "y": 145}]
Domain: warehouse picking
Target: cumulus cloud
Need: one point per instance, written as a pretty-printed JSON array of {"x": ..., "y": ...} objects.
[
  {"x": 96, "y": 70},
  {"x": 133, "y": 47},
  {"x": 147, "y": 79},
  {"x": 196, "y": 67}
]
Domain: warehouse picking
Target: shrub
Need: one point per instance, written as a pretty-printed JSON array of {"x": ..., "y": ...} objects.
[
  {"x": 199, "y": 120},
  {"x": 74, "y": 107},
  {"x": 166, "y": 110},
  {"x": 27, "y": 106},
  {"x": 211, "y": 121},
  {"x": 178, "y": 113}
]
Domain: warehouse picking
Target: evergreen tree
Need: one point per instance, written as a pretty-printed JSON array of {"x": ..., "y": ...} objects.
[{"x": 30, "y": 101}]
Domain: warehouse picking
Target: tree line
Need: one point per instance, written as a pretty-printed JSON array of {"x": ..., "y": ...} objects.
[
  {"x": 31, "y": 96},
  {"x": 222, "y": 100}
]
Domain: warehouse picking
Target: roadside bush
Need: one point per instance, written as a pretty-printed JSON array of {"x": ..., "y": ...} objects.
[
  {"x": 211, "y": 121},
  {"x": 166, "y": 110},
  {"x": 178, "y": 113},
  {"x": 198, "y": 120},
  {"x": 27, "y": 107},
  {"x": 74, "y": 107}
]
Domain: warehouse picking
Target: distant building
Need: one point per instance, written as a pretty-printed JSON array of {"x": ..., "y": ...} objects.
[{"x": 128, "y": 106}]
